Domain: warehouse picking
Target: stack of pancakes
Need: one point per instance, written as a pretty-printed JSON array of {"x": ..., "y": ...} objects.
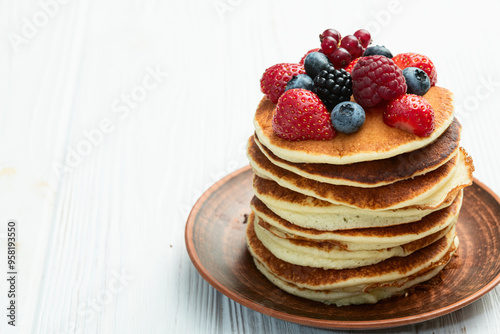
[{"x": 360, "y": 217}]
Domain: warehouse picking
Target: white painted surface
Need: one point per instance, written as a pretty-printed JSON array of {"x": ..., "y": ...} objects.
[{"x": 149, "y": 103}]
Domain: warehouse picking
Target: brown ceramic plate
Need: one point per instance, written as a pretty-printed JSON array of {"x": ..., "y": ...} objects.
[{"x": 215, "y": 240}]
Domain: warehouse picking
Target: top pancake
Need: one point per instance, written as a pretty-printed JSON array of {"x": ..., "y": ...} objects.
[
  {"x": 374, "y": 140},
  {"x": 377, "y": 172}
]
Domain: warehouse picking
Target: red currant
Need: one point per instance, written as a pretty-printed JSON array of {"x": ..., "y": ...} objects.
[
  {"x": 340, "y": 58},
  {"x": 364, "y": 37},
  {"x": 330, "y": 32},
  {"x": 328, "y": 45},
  {"x": 359, "y": 52},
  {"x": 351, "y": 44}
]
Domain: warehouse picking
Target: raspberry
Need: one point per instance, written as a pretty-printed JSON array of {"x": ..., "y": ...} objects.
[
  {"x": 411, "y": 113},
  {"x": 376, "y": 78},
  {"x": 410, "y": 59},
  {"x": 300, "y": 115},
  {"x": 275, "y": 78},
  {"x": 333, "y": 86}
]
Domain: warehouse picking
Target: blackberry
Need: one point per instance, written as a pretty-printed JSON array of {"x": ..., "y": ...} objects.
[{"x": 333, "y": 86}]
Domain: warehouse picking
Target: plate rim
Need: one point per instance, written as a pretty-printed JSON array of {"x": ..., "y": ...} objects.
[{"x": 307, "y": 321}]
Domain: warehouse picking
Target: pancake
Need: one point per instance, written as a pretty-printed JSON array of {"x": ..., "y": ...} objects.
[
  {"x": 389, "y": 170},
  {"x": 320, "y": 279},
  {"x": 328, "y": 255},
  {"x": 374, "y": 238},
  {"x": 425, "y": 191},
  {"x": 359, "y": 295},
  {"x": 374, "y": 141},
  {"x": 357, "y": 285},
  {"x": 309, "y": 212}
]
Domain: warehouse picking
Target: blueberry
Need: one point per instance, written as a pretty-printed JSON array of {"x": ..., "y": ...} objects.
[
  {"x": 300, "y": 81},
  {"x": 417, "y": 81},
  {"x": 347, "y": 117},
  {"x": 315, "y": 62},
  {"x": 377, "y": 50}
]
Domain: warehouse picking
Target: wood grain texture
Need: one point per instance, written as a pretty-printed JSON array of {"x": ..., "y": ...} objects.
[{"x": 101, "y": 246}]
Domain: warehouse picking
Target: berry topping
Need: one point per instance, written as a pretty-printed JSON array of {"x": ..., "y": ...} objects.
[
  {"x": 328, "y": 45},
  {"x": 347, "y": 117},
  {"x": 378, "y": 50},
  {"x": 300, "y": 115},
  {"x": 340, "y": 58},
  {"x": 376, "y": 78},
  {"x": 417, "y": 81},
  {"x": 411, "y": 113},
  {"x": 410, "y": 59},
  {"x": 330, "y": 32},
  {"x": 301, "y": 62},
  {"x": 364, "y": 37},
  {"x": 315, "y": 62},
  {"x": 300, "y": 81},
  {"x": 333, "y": 86},
  {"x": 351, "y": 65},
  {"x": 275, "y": 78}
]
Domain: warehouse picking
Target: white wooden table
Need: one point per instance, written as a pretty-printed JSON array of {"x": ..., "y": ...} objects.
[{"x": 115, "y": 116}]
